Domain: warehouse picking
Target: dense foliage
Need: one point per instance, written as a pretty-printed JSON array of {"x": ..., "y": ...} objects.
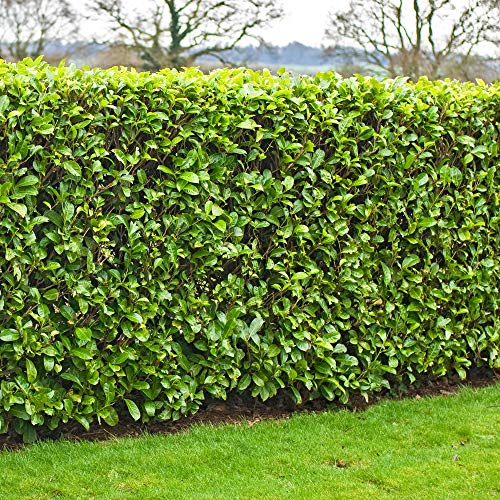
[{"x": 164, "y": 236}]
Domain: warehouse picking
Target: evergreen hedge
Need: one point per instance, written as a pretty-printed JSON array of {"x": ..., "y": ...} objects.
[{"x": 172, "y": 235}]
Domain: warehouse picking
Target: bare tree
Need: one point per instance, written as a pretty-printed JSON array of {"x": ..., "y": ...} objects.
[
  {"x": 417, "y": 37},
  {"x": 175, "y": 33},
  {"x": 28, "y": 27}
]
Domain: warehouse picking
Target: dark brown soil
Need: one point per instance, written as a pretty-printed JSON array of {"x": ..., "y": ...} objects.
[{"x": 244, "y": 409}]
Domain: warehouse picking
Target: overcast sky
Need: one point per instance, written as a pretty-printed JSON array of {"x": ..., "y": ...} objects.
[{"x": 304, "y": 21}]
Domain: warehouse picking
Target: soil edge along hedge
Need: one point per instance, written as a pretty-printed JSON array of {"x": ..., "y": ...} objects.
[{"x": 172, "y": 235}]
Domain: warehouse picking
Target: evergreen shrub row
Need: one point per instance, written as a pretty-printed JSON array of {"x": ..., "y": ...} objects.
[{"x": 164, "y": 237}]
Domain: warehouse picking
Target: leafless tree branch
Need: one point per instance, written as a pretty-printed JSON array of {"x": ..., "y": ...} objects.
[
  {"x": 176, "y": 33},
  {"x": 417, "y": 37},
  {"x": 28, "y": 27}
]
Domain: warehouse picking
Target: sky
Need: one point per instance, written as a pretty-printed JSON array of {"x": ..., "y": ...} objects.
[{"x": 305, "y": 21}]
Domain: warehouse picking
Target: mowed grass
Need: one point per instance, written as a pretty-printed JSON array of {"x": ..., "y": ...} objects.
[{"x": 444, "y": 447}]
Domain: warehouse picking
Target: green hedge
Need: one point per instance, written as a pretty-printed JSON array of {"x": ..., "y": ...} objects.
[{"x": 172, "y": 235}]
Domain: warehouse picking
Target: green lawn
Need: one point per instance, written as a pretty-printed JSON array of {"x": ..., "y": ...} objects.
[{"x": 445, "y": 447}]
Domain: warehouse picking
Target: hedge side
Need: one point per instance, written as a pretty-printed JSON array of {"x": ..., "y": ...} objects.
[{"x": 164, "y": 236}]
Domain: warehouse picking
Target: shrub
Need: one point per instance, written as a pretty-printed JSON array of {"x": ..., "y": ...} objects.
[{"x": 164, "y": 236}]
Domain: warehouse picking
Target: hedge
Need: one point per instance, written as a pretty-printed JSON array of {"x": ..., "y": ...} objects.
[{"x": 172, "y": 235}]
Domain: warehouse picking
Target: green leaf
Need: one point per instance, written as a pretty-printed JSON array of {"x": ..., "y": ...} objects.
[
  {"x": 190, "y": 177},
  {"x": 29, "y": 433},
  {"x": 19, "y": 208},
  {"x": 83, "y": 421},
  {"x": 135, "y": 317},
  {"x": 296, "y": 395},
  {"x": 327, "y": 392},
  {"x": 9, "y": 335},
  {"x": 30, "y": 370},
  {"x": 109, "y": 415},
  {"x": 422, "y": 179},
  {"x": 216, "y": 210},
  {"x": 299, "y": 276},
  {"x": 466, "y": 139},
  {"x": 121, "y": 156},
  {"x": 137, "y": 213},
  {"x": 84, "y": 334},
  {"x": 410, "y": 261},
  {"x": 255, "y": 326},
  {"x": 388, "y": 113},
  {"x": 51, "y": 294},
  {"x": 317, "y": 159},
  {"x": 244, "y": 382},
  {"x": 464, "y": 234},
  {"x": 366, "y": 133},
  {"x": 248, "y": 124},
  {"x": 4, "y": 103},
  {"x": 109, "y": 392},
  {"x": 150, "y": 408},
  {"x": 301, "y": 229},
  {"x": 220, "y": 224},
  {"x": 258, "y": 381},
  {"x": 427, "y": 222},
  {"x": 48, "y": 363},
  {"x": 133, "y": 409},
  {"x": 468, "y": 158},
  {"x": 386, "y": 272},
  {"x": 73, "y": 168},
  {"x": 72, "y": 377},
  {"x": 409, "y": 161},
  {"x": 444, "y": 173},
  {"x": 288, "y": 182},
  {"x": 456, "y": 176},
  {"x": 190, "y": 189},
  {"x": 303, "y": 345},
  {"x": 29, "y": 180},
  {"x": 480, "y": 151},
  {"x": 82, "y": 353}
]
